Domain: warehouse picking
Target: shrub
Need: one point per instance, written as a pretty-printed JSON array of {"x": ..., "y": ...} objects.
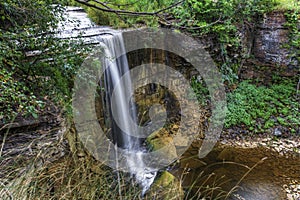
[{"x": 27, "y": 27}]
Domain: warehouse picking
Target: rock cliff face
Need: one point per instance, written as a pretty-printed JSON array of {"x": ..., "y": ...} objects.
[
  {"x": 267, "y": 43},
  {"x": 270, "y": 37}
]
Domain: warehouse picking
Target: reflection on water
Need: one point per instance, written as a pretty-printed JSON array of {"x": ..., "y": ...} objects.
[{"x": 225, "y": 166}]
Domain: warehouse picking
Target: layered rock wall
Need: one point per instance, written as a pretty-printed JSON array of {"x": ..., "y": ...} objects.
[{"x": 271, "y": 40}]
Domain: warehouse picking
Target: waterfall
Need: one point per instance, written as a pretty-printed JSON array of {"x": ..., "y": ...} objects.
[
  {"x": 116, "y": 109},
  {"x": 114, "y": 70}
]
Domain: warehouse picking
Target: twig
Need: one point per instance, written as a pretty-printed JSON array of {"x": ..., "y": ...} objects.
[{"x": 6, "y": 125}]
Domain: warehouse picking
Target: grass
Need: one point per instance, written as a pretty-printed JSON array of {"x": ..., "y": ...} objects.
[
  {"x": 28, "y": 172},
  {"x": 68, "y": 178}
]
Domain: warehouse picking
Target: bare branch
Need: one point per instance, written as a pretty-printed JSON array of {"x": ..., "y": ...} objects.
[
  {"x": 105, "y": 8},
  {"x": 167, "y": 23},
  {"x": 169, "y": 7},
  {"x": 122, "y": 5}
]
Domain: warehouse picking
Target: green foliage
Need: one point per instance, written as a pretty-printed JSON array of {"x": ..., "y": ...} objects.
[
  {"x": 200, "y": 90},
  {"x": 16, "y": 98},
  {"x": 122, "y": 21},
  {"x": 33, "y": 60},
  {"x": 217, "y": 19},
  {"x": 263, "y": 107},
  {"x": 293, "y": 17},
  {"x": 220, "y": 19}
]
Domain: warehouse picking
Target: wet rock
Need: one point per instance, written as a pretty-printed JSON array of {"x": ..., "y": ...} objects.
[
  {"x": 166, "y": 186},
  {"x": 161, "y": 141},
  {"x": 277, "y": 132}
]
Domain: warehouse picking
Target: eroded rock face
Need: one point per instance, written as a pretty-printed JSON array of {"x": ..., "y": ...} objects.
[{"x": 270, "y": 38}]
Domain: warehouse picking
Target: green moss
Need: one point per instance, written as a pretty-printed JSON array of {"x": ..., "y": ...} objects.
[{"x": 166, "y": 186}]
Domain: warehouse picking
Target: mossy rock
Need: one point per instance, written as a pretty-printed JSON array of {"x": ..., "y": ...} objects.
[{"x": 166, "y": 187}]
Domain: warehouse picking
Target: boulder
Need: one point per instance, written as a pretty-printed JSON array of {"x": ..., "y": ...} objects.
[
  {"x": 166, "y": 186},
  {"x": 161, "y": 141}
]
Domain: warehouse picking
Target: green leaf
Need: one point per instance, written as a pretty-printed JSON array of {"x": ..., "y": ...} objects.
[{"x": 34, "y": 115}]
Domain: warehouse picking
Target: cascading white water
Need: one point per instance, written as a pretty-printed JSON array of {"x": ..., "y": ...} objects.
[{"x": 115, "y": 68}]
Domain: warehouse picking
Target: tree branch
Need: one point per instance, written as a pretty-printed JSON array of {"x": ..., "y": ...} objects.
[
  {"x": 105, "y": 8},
  {"x": 167, "y": 23},
  {"x": 169, "y": 7}
]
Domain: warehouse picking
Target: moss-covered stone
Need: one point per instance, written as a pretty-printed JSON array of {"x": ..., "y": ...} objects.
[{"x": 166, "y": 187}]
